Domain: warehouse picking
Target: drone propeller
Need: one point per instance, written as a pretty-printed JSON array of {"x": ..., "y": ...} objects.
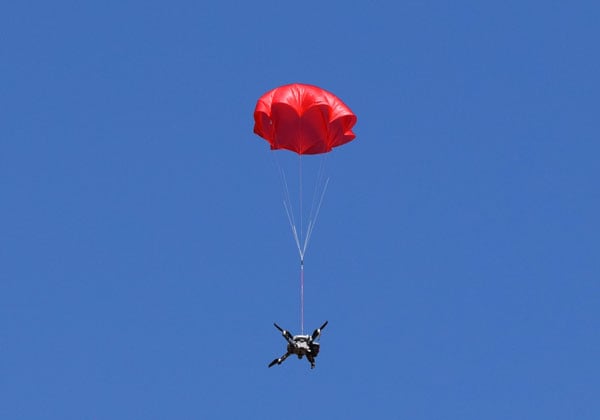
[
  {"x": 317, "y": 332},
  {"x": 279, "y": 360},
  {"x": 285, "y": 333}
]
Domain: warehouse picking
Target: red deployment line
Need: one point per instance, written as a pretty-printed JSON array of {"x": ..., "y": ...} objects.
[{"x": 302, "y": 297}]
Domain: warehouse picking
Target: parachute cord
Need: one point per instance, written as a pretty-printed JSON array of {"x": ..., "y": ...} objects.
[
  {"x": 318, "y": 184},
  {"x": 284, "y": 184},
  {"x": 302, "y": 296},
  {"x": 287, "y": 204},
  {"x": 293, "y": 226},
  {"x": 313, "y": 222},
  {"x": 318, "y": 194}
]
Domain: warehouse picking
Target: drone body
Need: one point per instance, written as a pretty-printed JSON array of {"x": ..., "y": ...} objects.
[{"x": 300, "y": 345}]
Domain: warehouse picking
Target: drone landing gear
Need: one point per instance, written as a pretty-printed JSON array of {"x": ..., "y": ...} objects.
[{"x": 311, "y": 359}]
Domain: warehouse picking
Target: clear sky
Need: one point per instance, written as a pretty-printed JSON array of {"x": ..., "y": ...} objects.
[{"x": 145, "y": 252}]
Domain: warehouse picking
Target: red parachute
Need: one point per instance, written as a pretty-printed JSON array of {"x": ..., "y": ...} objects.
[
  {"x": 307, "y": 120},
  {"x": 304, "y": 119}
]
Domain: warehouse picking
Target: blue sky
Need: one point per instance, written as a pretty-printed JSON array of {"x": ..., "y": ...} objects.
[{"x": 145, "y": 252}]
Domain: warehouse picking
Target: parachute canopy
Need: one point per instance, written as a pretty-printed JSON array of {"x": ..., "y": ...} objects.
[{"x": 304, "y": 119}]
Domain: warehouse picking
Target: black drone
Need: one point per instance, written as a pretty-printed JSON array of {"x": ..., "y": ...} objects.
[{"x": 300, "y": 345}]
